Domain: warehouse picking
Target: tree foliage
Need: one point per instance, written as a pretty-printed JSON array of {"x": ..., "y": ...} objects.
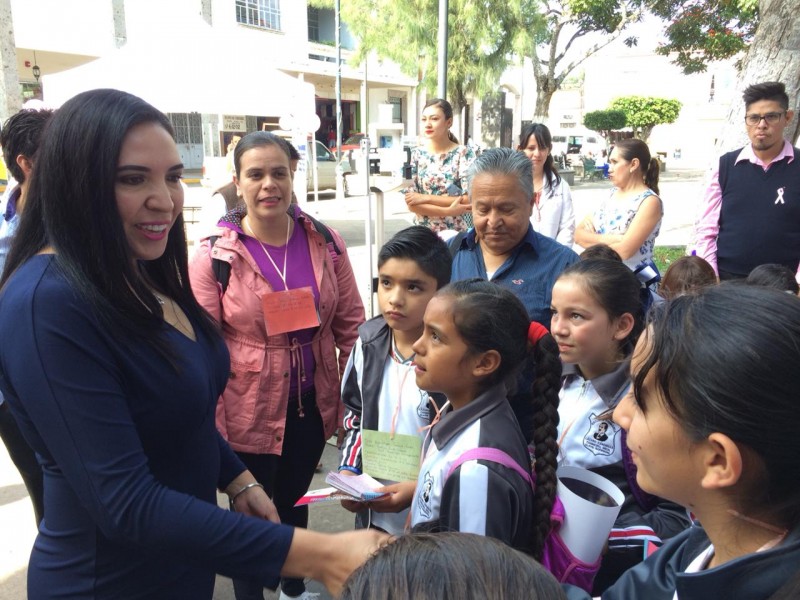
[
  {"x": 551, "y": 48},
  {"x": 480, "y": 45},
  {"x": 702, "y": 31},
  {"x": 642, "y": 114},
  {"x": 604, "y": 121}
]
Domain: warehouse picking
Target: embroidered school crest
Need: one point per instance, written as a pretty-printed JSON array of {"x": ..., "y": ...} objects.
[
  {"x": 601, "y": 437},
  {"x": 424, "y": 498},
  {"x": 423, "y": 408}
]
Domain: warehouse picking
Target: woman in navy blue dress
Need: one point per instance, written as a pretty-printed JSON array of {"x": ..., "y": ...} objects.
[{"x": 113, "y": 372}]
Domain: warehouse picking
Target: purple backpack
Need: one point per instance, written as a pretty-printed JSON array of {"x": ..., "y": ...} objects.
[{"x": 556, "y": 557}]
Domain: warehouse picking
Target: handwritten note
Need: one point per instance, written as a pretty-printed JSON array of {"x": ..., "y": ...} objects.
[
  {"x": 393, "y": 459},
  {"x": 289, "y": 310}
]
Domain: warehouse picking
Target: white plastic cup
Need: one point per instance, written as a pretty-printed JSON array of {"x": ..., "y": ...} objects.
[{"x": 587, "y": 524}]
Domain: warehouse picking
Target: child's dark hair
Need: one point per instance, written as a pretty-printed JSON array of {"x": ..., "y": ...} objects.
[
  {"x": 774, "y": 276},
  {"x": 721, "y": 366},
  {"x": 614, "y": 287},
  {"x": 632, "y": 148},
  {"x": 450, "y": 566},
  {"x": 424, "y": 247},
  {"x": 489, "y": 317},
  {"x": 686, "y": 274},
  {"x": 603, "y": 251}
]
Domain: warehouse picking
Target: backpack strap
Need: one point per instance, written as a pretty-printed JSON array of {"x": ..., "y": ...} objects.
[
  {"x": 455, "y": 243},
  {"x": 326, "y": 233},
  {"x": 493, "y": 455},
  {"x": 221, "y": 268}
]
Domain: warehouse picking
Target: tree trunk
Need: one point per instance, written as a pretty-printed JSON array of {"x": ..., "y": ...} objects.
[
  {"x": 545, "y": 89},
  {"x": 773, "y": 56},
  {"x": 10, "y": 93}
]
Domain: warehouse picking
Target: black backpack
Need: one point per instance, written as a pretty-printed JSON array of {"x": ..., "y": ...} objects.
[{"x": 222, "y": 268}]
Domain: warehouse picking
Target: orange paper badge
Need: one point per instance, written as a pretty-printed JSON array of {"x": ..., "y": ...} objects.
[{"x": 289, "y": 310}]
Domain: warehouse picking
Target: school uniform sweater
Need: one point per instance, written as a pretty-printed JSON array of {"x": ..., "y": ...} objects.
[
  {"x": 373, "y": 384},
  {"x": 589, "y": 442},
  {"x": 480, "y": 496}
]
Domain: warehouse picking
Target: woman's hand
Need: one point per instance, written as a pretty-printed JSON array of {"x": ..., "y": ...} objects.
[
  {"x": 399, "y": 498},
  {"x": 587, "y": 224},
  {"x": 254, "y": 502},
  {"x": 330, "y": 558},
  {"x": 415, "y": 198}
]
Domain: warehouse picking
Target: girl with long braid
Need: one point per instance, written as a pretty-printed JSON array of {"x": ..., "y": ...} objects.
[{"x": 476, "y": 336}]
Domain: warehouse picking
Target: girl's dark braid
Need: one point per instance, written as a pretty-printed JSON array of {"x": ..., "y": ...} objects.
[{"x": 545, "y": 432}]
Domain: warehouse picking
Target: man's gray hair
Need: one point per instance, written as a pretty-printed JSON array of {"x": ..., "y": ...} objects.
[{"x": 504, "y": 161}]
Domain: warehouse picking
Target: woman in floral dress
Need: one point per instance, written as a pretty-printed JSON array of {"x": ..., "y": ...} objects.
[
  {"x": 439, "y": 197},
  {"x": 630, "y": 219}
]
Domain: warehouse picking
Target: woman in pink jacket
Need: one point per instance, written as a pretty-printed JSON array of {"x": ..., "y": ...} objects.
[{"x": 282, "y": 288}]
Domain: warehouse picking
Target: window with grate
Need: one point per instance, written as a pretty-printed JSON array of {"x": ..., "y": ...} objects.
[
  {"x": 397, "y": 109},
  {"x": 259, "y": 13},
  {"x": 188, "y": 127},
  {"x": 313, "y": 24}
]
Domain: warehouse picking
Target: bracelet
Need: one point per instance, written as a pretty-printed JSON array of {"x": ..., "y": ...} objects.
[
  {"x": 355, "y": 470},
  {"x": 244, "y": 489}
]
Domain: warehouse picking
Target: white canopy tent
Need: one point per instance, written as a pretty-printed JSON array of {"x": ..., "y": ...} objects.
[{"x": 190, "y": 69}]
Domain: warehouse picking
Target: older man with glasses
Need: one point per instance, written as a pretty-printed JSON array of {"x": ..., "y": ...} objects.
[{"x": 751, "y": 210}]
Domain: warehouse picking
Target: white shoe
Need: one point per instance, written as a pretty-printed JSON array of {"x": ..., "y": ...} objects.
[{"x": 304, "y": 596}]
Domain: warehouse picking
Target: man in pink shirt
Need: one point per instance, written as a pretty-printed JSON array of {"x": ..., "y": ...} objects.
[{"x": 751, "y": 209}]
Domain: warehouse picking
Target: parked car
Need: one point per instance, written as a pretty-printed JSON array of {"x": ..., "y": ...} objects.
[{"x": 351, "y": 143}]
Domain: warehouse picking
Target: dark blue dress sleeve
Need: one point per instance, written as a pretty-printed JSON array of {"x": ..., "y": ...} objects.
[{"x": 78, "y": 403}]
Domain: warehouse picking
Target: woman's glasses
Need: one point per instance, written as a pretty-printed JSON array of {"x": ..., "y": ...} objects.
[{"x": 771, "y": 118}]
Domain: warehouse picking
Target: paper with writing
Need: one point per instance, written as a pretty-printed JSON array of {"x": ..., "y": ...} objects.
[
  {"x": 395, "y": 459},
  {"x": 289, "y": 310}
]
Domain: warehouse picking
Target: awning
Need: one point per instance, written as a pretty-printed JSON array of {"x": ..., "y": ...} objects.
[{"x": 190, "y": 69}]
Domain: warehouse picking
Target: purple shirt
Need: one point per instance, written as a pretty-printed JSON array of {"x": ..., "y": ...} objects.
[{"x": 299, "y": 274}]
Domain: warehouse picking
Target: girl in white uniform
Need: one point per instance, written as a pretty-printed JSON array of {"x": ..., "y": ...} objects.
[{"x": 596, "y": 320}]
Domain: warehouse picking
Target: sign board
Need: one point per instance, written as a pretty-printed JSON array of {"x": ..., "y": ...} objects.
[{"x": 234, "y": 123}]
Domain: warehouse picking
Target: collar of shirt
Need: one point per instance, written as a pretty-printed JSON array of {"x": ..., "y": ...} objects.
[
  {"x": 455, "y": 421},
  {"x": 610, "y": 386},
  {"x": 748, "y": 154},
  {"x": 11, "y": 206}
]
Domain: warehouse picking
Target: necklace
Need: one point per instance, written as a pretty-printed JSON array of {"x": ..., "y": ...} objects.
[
  {"x": 159, "y": 299},
  {"x": 281, "y": 274}
]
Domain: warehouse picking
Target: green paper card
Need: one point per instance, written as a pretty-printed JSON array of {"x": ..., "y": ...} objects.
[{"x": 393, "y": 459}]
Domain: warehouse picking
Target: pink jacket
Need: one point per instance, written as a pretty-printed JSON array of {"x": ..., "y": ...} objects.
[{"x": 251, "y": 413}]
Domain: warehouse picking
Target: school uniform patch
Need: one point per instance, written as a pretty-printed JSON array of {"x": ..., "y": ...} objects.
[
  {"x": 424, "y": 498},
  {"x": 601, "y": 437},
  {"x": 423, "y": 408}
]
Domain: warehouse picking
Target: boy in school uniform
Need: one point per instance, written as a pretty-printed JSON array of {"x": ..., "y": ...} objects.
[{"x": 379, "y": 387}]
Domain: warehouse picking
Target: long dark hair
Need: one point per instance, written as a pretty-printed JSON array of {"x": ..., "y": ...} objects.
[
  {"x": 71, "y": 208},
  {"x": 447, "y": 109},
  {"x": 632, "y": 148},
  {"x": 543, "y": 140},
  {"x": 721, "y": 366},
  {"x": 489, "y": 317}
]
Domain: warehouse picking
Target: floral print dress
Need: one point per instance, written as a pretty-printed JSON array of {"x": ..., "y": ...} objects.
[
  {"x": 433, "y": 174},
  {"x": 615, "y": 216}
]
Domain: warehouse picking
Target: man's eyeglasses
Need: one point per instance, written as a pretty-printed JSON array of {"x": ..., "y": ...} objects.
[{"x": 771, "y": 118}]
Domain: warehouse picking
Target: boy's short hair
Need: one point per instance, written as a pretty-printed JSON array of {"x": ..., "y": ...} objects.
[
  {"x": 768, "y": 90},
  {"x": 424, "y": 247},
  {"x": 774, "y": 276},
  {"x": 21, "y": 134}
]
